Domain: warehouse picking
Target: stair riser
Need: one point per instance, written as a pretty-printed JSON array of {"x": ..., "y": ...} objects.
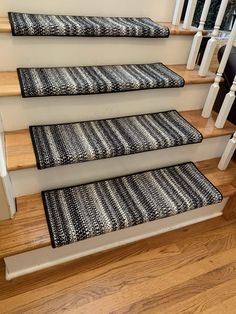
[
  {"x": 51, "y": 51},
  {"x": 161, "y": 10},
  {"x": 18, "y": 113},
  {"x": 31, "y": 181},
  {"x": 36, "y": 260}
]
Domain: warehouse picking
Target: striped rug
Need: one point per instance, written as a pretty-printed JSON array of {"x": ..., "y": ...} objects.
[
  {"x": 36, "y": 82},
  {"x": 24, "y": 24},
  {"x": 85, "y": 211},
  {"x": 63, "y": 144}
]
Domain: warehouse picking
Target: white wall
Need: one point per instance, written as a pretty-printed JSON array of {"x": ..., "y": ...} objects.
[{"x": 160, "y": 10}]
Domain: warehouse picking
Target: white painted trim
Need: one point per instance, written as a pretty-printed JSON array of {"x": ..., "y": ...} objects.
[
  {"x": 228, "y": 153},
  {"x": 31, "y": 181},
  {"x": 161, "y": 10},
  {"x": 7, "y": 208},
  {"x": 40, "y": 259}
]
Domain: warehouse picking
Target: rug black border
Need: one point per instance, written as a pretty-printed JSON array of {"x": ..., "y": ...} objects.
[
  {"x": 87, "y": 36},
  {"x": 97, "y": 93},
  {"x": 113, "y": 178},
  {"x": 37, "y": 155}
]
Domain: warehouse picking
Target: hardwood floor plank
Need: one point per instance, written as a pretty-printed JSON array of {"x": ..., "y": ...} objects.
[
  {"x": 114, "y": 280},
  {"x": 230, "y": 208},
  {"x": 203, "y": 301}
]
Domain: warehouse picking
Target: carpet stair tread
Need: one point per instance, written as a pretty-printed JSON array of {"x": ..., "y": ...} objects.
[
  {"x": 71, "y": 143},
  {"x": 28, "y": 230},
  {"x": 25, "y": 24},
  {"x": 10, "y": 85},
  {"x": 5, "y": 27},
  {"x": 20, "y": 153},
  {"x": 99, "y": 79}
]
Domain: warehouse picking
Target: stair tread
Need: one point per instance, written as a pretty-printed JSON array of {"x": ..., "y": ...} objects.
[
  {"x": 29, "y": 231},
  {"x": 10, "y": 86},
  {"x": 20, "y": 153},
  {"x": 5, "y": 27}
]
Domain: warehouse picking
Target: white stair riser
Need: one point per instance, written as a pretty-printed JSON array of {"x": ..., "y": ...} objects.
[
  {"x": 39, "y": 259},
  {"x": 161, "y": 10},
  {"x": 51, "y": 51},
  {"x": 31, "y": 181},
  {"x": 19, "y": 113}
]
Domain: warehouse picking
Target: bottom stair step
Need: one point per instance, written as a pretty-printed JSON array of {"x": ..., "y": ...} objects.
[{"x": 29, "y": 231}]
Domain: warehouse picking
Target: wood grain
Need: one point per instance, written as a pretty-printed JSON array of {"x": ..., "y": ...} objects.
[
  {"x": 5, "y": 27},
  {"x": 153, "y": 276},
  {"x": 10, "y": 86},
  {"x": 20, "y": 153},
  {"x": 28, "y": 230},
  {"x": 230, "y": 209}
]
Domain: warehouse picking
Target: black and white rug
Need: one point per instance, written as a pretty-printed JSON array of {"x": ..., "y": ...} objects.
[
  {"x": 83, "y": 80},
  {"x": 85, "y": 211},
  {"x": 24, "y": 24},
  {"x": 63, "y": 144}
]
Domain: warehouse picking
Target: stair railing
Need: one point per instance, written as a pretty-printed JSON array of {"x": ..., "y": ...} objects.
[
  {"x": 197, "y": 40},
  {"x": 213, "y": 92},
  {"x": 228, "y": 153},
  {"x": 189, "y": 14},
  {"x": 178, "y": 12},
  {"x": 226, "y": 106},
  {"x": 212, "y": 43}
]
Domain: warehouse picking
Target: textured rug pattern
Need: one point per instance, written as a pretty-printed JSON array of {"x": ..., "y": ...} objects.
[
  {"x": 85, "y": 211},
  {"x": 24, "y": 24},
  {"x": 64, "y": 144},
  {"x": 36, "y": 82}
]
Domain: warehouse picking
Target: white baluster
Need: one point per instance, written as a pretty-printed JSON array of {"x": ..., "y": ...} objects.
[
  {"x": 215, "y": 86},
  {"x": 212, "y": 43},
  {"x": 178, "y": 11},
  {"x": 226, "y": 107},
  {"x": 228, "y": 153},
  {"x": 198, "y": 37},
  {"x": 189, "y": 14}
]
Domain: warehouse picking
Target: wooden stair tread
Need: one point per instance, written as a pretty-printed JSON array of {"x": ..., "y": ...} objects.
[
  {"x": 28, "y": 230},
  {"x": 20, "y": 153},
  {"x": 5, "y": 27},
  {"x": 10, "y": 86}
]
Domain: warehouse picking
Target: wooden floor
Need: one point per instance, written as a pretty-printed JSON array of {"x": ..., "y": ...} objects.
[{"x": 191, "y": 270}]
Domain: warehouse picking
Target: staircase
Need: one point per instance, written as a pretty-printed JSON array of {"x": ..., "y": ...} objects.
[{"x": 25, "y": 238}]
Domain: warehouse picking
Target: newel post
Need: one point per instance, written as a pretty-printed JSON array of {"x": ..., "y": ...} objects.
[
  {"x": 215, "y": 86},
  {"x": 198, "y": 37},
  {"x": 212, "y": 43}
]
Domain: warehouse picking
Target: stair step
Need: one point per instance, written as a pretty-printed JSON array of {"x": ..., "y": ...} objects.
[
  {"x": 24, "y": 24},
  {"x": 5, "y": 27},
  {"x": 29, "y": 231},
  {"x": 10, "y": 86},
  {"x": 20, "y": 152},
  {"x": 64, "y": 144}
]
